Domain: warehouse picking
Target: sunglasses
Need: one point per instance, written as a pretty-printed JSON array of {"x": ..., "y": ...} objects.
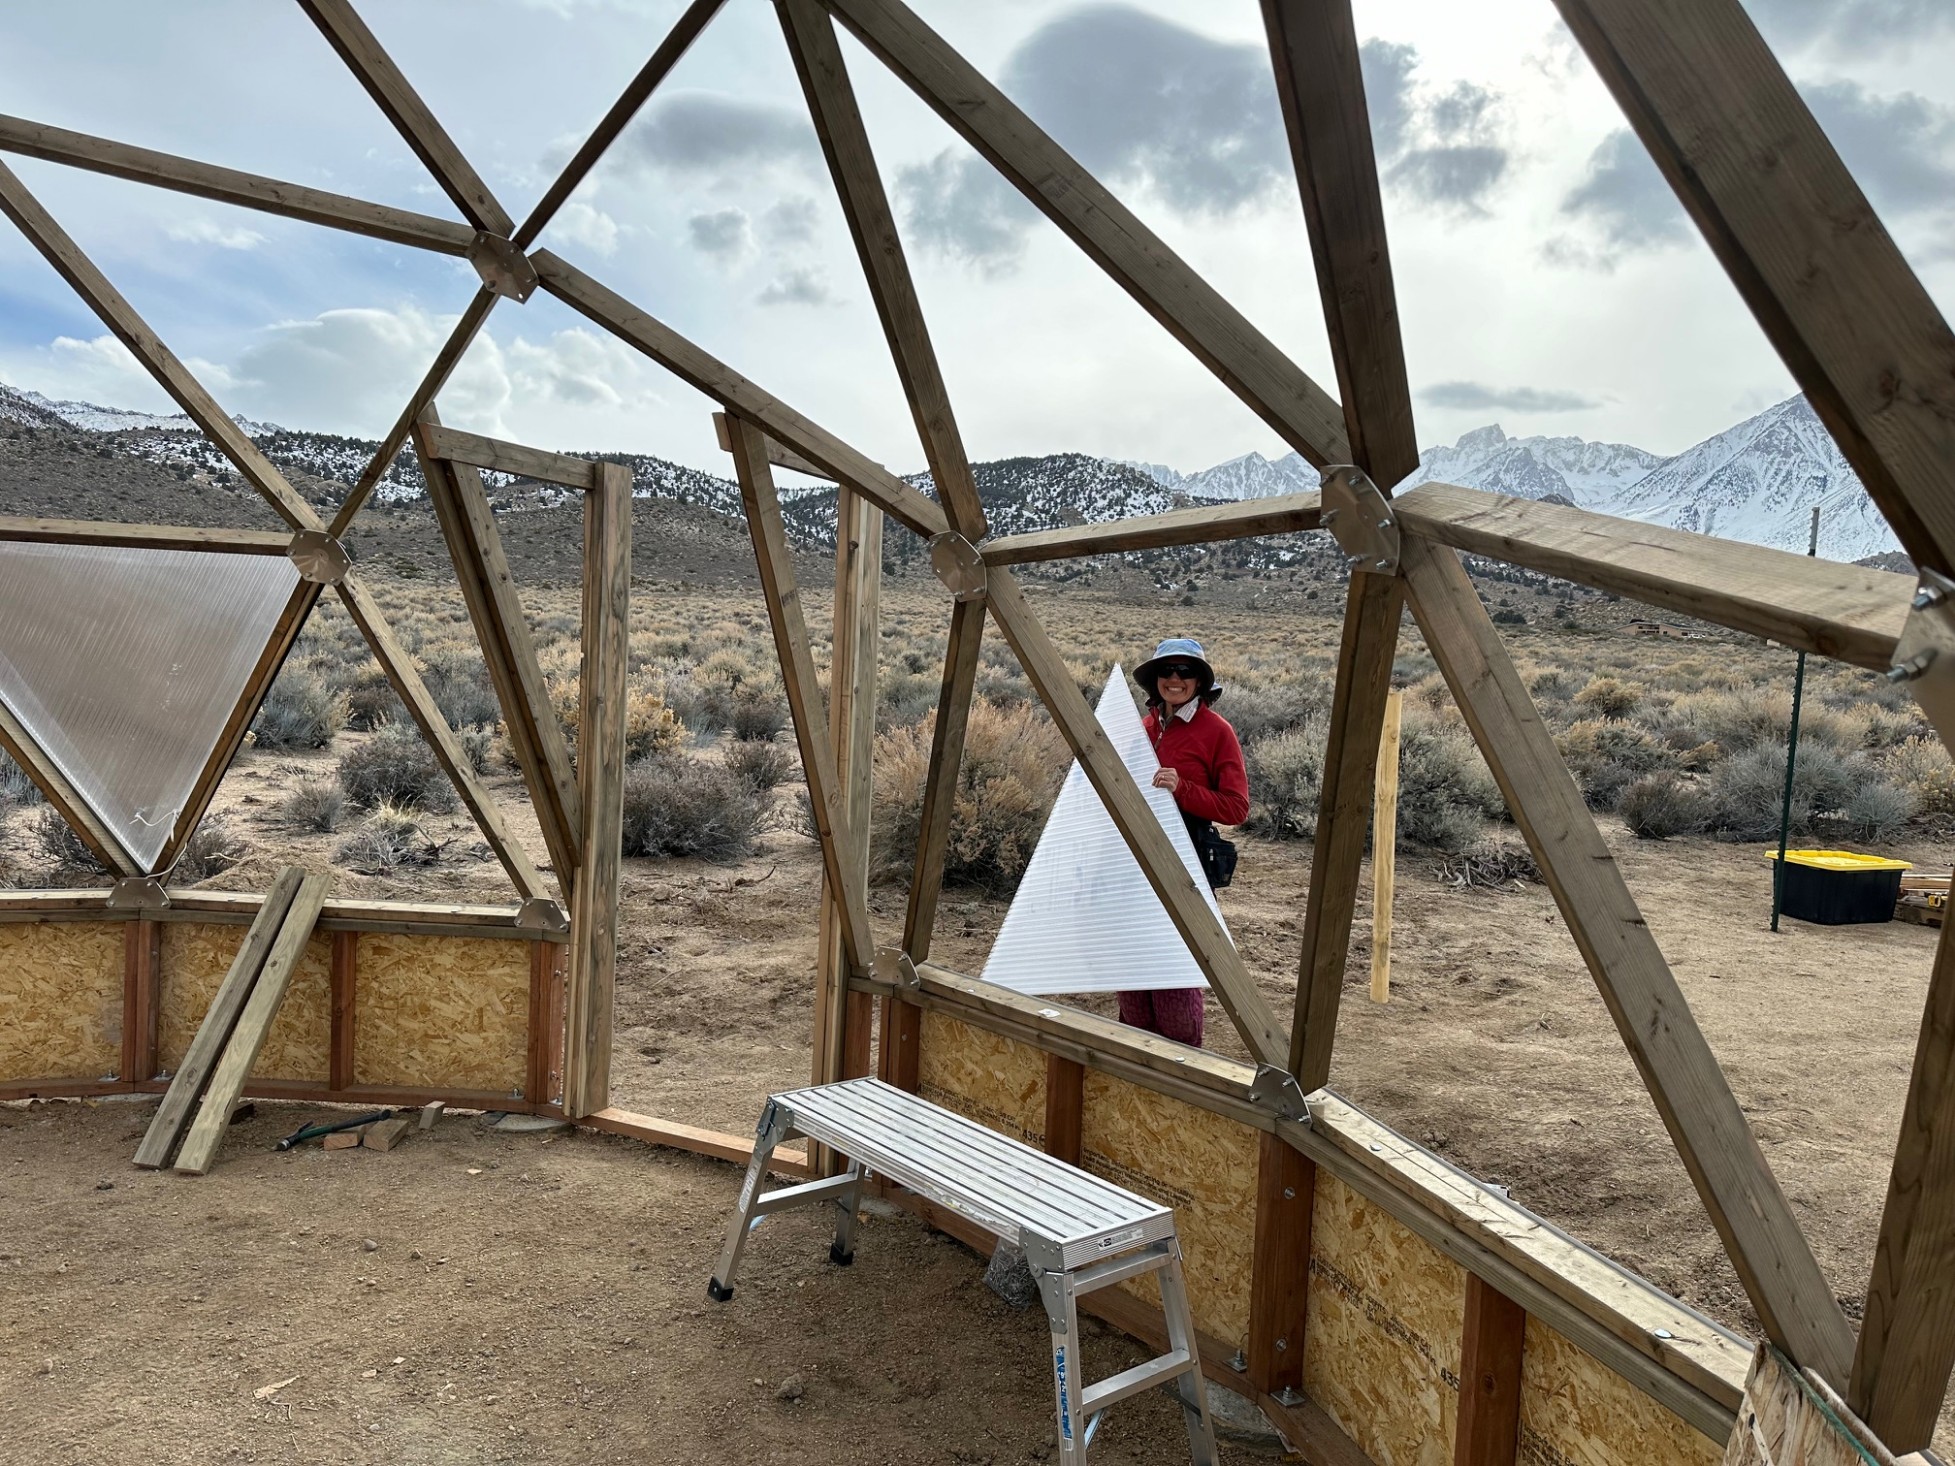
[{"x": 1181, "y": 670}]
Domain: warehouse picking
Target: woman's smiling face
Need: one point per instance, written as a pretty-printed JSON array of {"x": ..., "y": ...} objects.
[{"x": 1177, "y": 684}]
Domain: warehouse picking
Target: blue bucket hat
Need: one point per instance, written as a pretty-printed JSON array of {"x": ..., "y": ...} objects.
[{"x": 1176, "y": 649}]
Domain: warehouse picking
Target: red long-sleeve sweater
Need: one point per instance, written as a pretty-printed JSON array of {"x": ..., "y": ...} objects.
[{"x": 1214, "y": 784}]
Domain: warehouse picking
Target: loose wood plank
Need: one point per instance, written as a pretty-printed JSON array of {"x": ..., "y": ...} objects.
[
  {"x": 133, "y": 332},
  {"x": 229, "y": 186},
  {"x": 37, "y": 531},
  {"x": 1821, "y": 606},
  {"x": 1205, "y": 524},
  {"x": 1751, "y": 1214},
  {"x": 1778, "y": 208},
  {"x": 214, "y": 1032},
  {"x": 832, "y": 457},
  {"x": 254, "y": 1022},
  {"x": 1197, "y": 316},
  {"x": 1214, "y": 953},
  {"x": 364, "y": 56},
  {"x": 1489, "y": 1425},
  {"x": 714, "y": 1143},
  {"x": 436, "y": 441}
]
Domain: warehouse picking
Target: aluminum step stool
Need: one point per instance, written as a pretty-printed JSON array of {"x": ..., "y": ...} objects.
[{"x": 1078, "y": 1232}]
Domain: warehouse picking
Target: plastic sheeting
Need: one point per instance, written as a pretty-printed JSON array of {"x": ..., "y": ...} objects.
[
  {"x": 1084, "y": 918},
  {"x": 124, "y": 664}
]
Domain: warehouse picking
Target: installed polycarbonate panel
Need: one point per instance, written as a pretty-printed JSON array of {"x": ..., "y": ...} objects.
[
  {"x": 123, "y": 665},
  {"x": 1084, "y": 919}
]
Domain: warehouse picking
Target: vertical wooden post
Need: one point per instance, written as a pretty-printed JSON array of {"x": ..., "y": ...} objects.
[
  {"x": 600, "y": 791},
  {"x": 545, "y": 1036},
  {"x": 1065, "y": 1096},
  {"x": 1286, "y": 1197},
  {"x": 340, "y": 1073},
  {"x": 142, "y": 964},
  {"x": 1489, "y": 1428},
  {"x": 1384, "y": 850}
]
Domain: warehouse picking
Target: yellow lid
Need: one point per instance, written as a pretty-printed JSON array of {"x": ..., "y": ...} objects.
[{"x": 1838, "y": 860}]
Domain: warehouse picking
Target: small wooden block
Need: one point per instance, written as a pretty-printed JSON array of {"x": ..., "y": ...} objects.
[
  {"x": 384, "y": 1134},
  {"x": 430, "y": 1112},
  {"x": 344, "y": 1139}
]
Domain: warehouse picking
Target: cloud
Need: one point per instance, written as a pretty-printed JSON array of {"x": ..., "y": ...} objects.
[
  {"x": 724, "y": 236},
  {"x": 705, "y": 133},
  {"x": 1855, "y": 27},
  {"x": 206, "y": 231},
  {"x": 791, "y": 221},
  {"x": 797, "y": 287},
  {"x": 1624, "y": 200},
  {"x": 1478, "y": 397},
  {"x": 1446, "y": 148},
  {"x": 962, "y": 208},
  {"x": 1901, "y": 148},
  {"x": 579, "y": 223}
]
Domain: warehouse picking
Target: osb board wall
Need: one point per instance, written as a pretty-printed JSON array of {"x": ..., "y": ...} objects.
[
  {"x": 195, "y": 958},
  {"x": 996, "y": 1081},
  {"x": 1202, "y": 1165},
  {"x": 1382, "y": 1340},
  {"x": 441, "y": 1012},
  {"x": 61, "y": 999},
  {"x": 1576, "y": 1411}
]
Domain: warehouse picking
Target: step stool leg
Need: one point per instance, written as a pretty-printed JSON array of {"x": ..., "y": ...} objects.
[
  {"x": 1061, "y": 1310},
  {"x": 1191, "y": 1387},
  {"x": 841, "y": 1251},
  {"x": 775, "y": 1123}
]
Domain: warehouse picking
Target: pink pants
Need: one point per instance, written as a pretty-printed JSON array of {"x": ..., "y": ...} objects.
[{"x": 1174, "y": 1013}]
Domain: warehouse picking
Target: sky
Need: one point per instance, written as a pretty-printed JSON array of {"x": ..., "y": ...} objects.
[{"x": 1546, "y": 278}]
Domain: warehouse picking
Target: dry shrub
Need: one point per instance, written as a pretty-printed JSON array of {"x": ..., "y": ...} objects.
[
  {"x": 1748, "y": 790},
  {"x": 1445, "y": 793},
  {"x": 1922, "y": 769},
  {"x": 370, "y": 698},
  {"x": 300, "y": 711},
  {"x": 1606, "y": 697},
  {"x": 1285, "y": 778},
  {"x": 1875, "y": 813},
  {"x": 1606, "y": 756},
  {"x": 458, "y": 680},
  {"x": 15, "y": 787},
  {"x": 762, "y": 766},
  {"x": 1490, "y": 863},
  {"x": 679, "y": 805},
  {"x": 212, "y": 847},
  {"x": 1658, "y": 806},
  {"x": 758, "y": 715},
  {"x": 387, "y": 839},
  {"x": 1259, "y": 711},
  {"x": 395, "y": 767},
  {"x": 1014, "y": 761},
  {"x": 62, "y": 845},
  {"x": 314, "y": 805},
  {"x": 650, "y": 727}
]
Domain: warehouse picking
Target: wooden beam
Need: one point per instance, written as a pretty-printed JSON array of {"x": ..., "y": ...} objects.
[
  {"x": 737, "y": 395},
  {"x": 677, "y": 41},
  {"x": 1488, "y": 1429},
  {"x": 1752, "y": 1216},
  {"x": 214, "y": 1031},
  {"x": 271, "y": 660},
  {"x": 777, "y": 454},
  {"x": 1200, "y": 525},
  {"x": 1193, "y": 312},
  {"x": 1065, "y": 1108},
  {"x": 37, "y": 531},
  {"x": 495, "y": 606},
  {"x": 953, "y": 717},
  {"x": 342, "y": 1071},
  {"x": 445, "y": 361},
  {"x": 247, "y": 1040},
  {"x": 545, "y": 1055},
  {"x": 62, "y": 797},
  {"x": 228, "y": 186},
  {"x": 1907, "y": 1336},
  {"x": 604, "y": 691},
  {"x": 826, "y": 795},
  {"x": 716, "y": 1144},
  {"x": 1187, "y": 907},
  {"x": 398, "y": 664},
  {"x": 142, "y": 964},
  {"x": 364, "y": 56},
  {"x": 455, "y": 446},
  {"x": 1279, "y": 1299},
  {"x": 1843, "y": 611},
  {"x": 1384, "y": 849},
  {"x": 1785, "y": 218},
  {"x": 825, "y": 82},
  {"x": 133, "y": 332}
]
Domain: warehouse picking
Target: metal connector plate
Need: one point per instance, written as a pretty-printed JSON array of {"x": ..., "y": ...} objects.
[
  {"x": 1924, "y": 657},
  {"x": 958, "y": 565},
  {"x": 1361, "y": 520},
  {"x": 504, "y": 268},
  {"x": 320, "y": 558}
]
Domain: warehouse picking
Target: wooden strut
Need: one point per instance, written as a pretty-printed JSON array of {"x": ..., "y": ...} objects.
[
  {"x": 33, "y": 530},
  {"x": 432, "y": 440},
  {"x": 1207, "y": 524},
  {"x": 603, "y": 693},
  {"x": 1751, "y": 1214},
  {"x": 1384, "y": 850},
  {"x": 63, "y": 797}
]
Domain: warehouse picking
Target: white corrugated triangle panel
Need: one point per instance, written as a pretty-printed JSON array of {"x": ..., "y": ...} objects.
[
  {"x": 124, "y": 664},
  {"x": 1084, "y": 919}
]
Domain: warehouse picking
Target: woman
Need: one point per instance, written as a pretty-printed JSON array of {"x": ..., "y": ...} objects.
[{"x": 1201, "y": 766}]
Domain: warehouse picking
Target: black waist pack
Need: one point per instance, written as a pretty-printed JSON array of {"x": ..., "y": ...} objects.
[{"x": 1216, "y": 854}]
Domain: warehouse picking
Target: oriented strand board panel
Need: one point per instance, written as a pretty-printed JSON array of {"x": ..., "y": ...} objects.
[
  {"x": 196, "y": 955},
  {"x": 61, "y": 999},
  {"x": 1201, "y": 1164},
  {"x": 441, "y": 1012},
  {"x": 1576, "y": 1411},
  {"x": 1381, "y": 1350},
  {"x": 996, "y": 1081}
]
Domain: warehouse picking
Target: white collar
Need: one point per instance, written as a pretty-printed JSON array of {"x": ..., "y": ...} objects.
[{"x": 1186, "y": 712}]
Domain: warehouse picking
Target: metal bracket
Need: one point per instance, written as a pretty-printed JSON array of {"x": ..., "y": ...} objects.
[
  {"x": 958, "y": 565},
  {"x": 504, "y": 268},
  {"x": 893, "y": 966},
  {"x": 1360, "y": 518},
  {"x": 541, "y": 914},
  {"x": 1924, "y": 657},
  {"x": 138, "y": 893},
  {"x": 321, "y": 558},
  {"x": 1277, "y": 1089}
]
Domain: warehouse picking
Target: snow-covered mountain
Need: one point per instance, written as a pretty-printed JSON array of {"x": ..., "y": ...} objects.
[
  {"x": 1574, "y": 469},
  {"x": 1251, "y": 476},
  {"x": 88, "y": 416}
]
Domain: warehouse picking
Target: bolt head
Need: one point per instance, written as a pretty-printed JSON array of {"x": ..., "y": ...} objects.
[{"x": 1929, "y": 595}]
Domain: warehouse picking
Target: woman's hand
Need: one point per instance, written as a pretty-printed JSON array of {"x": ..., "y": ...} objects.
[{"x": 1168, "y": 778}]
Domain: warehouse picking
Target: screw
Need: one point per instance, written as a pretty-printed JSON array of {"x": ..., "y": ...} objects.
[
  {"x": 1354, "y": 560},
  {"x": 1384, "y": 524},
  {"x": 1912, "y": 668},
  {"x": 1240, "y": 1363},
  {"x": 1329, "y": 517},
  {"x": 1929, "y": 595},
  {"x": 1384, "y": 565},
  {"x": 1289, "y": 1193},
  {"x": 1282, "y": 1344}
]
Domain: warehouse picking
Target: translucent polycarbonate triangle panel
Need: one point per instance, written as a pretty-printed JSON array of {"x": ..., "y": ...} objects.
[
  {"x": 124, "y": 664},
  {"x": 1084, "y": 918}
]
